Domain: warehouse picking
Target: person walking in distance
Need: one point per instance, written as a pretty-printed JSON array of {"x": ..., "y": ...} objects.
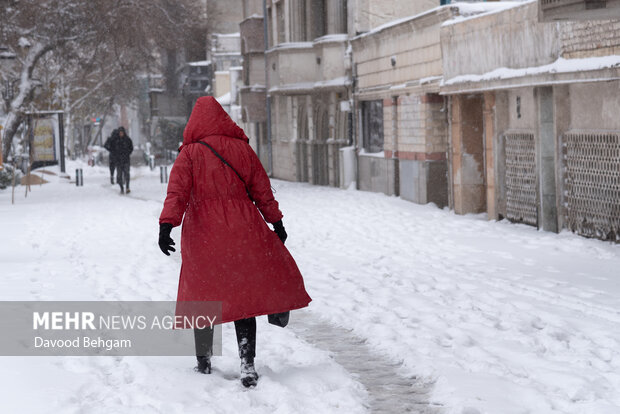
[
  {"x": 122, "y": 148},
  {"x": 111, "y": 158},
  {"x": 220, "y": 191}
]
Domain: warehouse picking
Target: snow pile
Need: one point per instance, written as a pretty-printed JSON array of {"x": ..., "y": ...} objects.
[
  {"x": 561, "y": 65},
  {"x": 90, "y": 243},
  {"x": 503, "y": 318}
]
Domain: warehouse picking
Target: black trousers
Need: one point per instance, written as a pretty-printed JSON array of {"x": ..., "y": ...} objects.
[
  {"x": 246, "y": 339},
  {"x": 112, "y": 168},
  {"x": 122, "y": 174}
]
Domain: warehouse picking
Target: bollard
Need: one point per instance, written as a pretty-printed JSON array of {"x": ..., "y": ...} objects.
[
  {"x": 163, "y": 174},
  {"x": 152, "y": 162},
  {"x": 79, "y": 178}
]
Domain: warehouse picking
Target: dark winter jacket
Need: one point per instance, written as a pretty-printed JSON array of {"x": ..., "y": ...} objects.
[
  {"x": 120, "y": 147},
  {"x": 108, "y": 145},
  {"x": 229, "y": 253}
]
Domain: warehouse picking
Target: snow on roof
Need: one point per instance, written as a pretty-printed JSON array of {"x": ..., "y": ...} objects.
[
  {"x": 559, "y": 66},
  {"x": 292, "y": 45},
  {"x": 304, "y": 86},
  {"x": 235, "y": 53},
  {"x": 342, "y": 81},
  {"x": 340, "y": 37},
  {"x": 224, "y": 99},
  {"x": 430, "y": 79},
  {"x": 200, "y": 63},
  {"x": 226, "y": 34},
  {"x": 469, "y": 11},
  {"x": 464, "y": 9}
]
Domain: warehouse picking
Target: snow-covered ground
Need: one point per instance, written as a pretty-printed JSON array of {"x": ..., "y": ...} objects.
[{"x": 501, "y": 317}]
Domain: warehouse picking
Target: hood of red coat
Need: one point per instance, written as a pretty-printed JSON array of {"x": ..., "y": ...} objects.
[{"x": 209, "y": 118}]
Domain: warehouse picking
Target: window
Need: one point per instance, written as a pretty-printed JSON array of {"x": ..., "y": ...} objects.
[
  {"x": 154, "y": 104},
  {"x": 280, "y": 22},
  {"x": 270, "y": 26},
  {"x": 372, "y": 125},
  {"x": 316, "y": 13},
  {"x": 298, "y": 21}
]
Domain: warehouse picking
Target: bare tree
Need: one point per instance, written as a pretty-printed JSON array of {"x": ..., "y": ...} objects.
[{"x": 88, "y": 52}]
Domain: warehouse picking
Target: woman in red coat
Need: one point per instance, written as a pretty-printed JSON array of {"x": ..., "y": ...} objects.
[{"x": 229, "y": 254}]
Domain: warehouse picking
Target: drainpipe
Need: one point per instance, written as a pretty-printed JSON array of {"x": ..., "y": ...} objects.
[
  {"x": 355, "y": 131},
  {"x": 395, "y": 146},
  {"x": 448, "y": 102},
  {"x": 268, "y": 98}
]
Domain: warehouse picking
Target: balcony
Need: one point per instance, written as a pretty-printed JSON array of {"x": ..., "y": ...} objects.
[
  {"x": 303, "y": 67},
  {"x": 553, "y": 10}
]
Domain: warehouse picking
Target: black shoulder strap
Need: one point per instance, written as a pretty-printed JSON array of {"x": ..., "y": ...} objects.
[{"x": 226, "y": 162}]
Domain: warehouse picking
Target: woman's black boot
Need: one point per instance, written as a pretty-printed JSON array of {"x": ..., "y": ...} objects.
[
  {"x": 204, "y": 365},
  {"x": 204, "y": 349},
  {"x": 246, "y": 339},
  {"x": 249, "y": 377}
]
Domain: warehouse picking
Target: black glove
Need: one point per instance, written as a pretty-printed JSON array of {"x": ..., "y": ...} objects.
[
  {"x": 278, "y": 228},
  {"x": 165, "y": 241}
]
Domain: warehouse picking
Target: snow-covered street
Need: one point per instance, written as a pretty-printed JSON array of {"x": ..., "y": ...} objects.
[{"x": 460, "y": 314}]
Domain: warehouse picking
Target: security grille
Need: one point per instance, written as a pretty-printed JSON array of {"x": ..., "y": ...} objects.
[
  {"x": 592, "y": 183},
  {"x": 521, "y": 205}
]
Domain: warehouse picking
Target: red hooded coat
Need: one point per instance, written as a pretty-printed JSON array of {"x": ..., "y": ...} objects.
[{"x": 229, "y": 254}]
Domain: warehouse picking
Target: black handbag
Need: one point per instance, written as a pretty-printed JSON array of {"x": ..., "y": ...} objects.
[{"x": 278, "y": 319}]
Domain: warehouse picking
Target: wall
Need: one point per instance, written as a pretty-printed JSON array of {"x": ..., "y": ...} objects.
[
  {"x": 224, "y": 16},
  {"x": 222, "y": 83},
  {"x": 252, "y": 7},
  {"x": 528, "y": 119},
  {"x": 252, "y": 35},
  {"x": 330, "y": 53},
  {"x": 512, "y": 39},
  {"x": 283, "y": 162},
  {"x": 595, "y": 106},
  {"x": 590, "y": 38},
  {"x": 376, "y": 174},
  {"x": 467, "y": 154},
  {"x": 415, "y": 130},
  {"x": 365, "y": 15},
  {"x": 422, "y": 124},
  {"x": 414, "y": 45},
  {"x": 295, "y": 63}
]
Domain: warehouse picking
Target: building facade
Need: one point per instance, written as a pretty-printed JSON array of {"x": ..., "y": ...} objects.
[
  {"x": 310, "y": 84},
  {"x": 535, "y": 133},
  {"x": 307, "y": 79},
  {"x": 401, "y": 120},
  {"x": 252, "y": 96}
]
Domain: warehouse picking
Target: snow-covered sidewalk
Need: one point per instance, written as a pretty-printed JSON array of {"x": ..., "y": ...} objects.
[{"x": 499, "y": 318}]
